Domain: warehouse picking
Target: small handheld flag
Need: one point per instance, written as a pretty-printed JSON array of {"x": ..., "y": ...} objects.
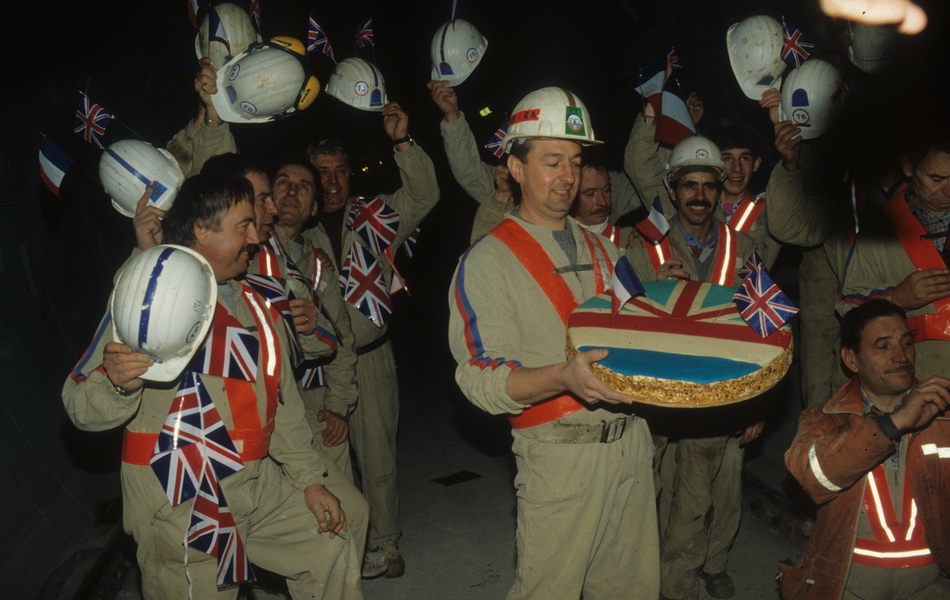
[
  {"x": 761, "y": 302},
  {"x": 317, "y": 40},
  {"x": 796, "y": 47},
  {"x": 193, "y": 7},
  {"x": 91, "y": 121},
  {"x": 675, "y": 62},
  {"x": 53, "y": 165},
  {"x": 496, "y": 144},
  {"x": 364, "y": 36},
  {"x": 675, "y": 124},
  {"x": 256, "y": 15},
  {"x": 654, "y": 226},
  {"x": 650, "y": 81},
  {"x": 625, "y": 285}
]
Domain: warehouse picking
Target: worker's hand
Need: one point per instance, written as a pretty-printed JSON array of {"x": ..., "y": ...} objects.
[
  {"x": 751, "y": 433},
  {"x": 921, "y": 288},
  {"x": 396, "y": 124},
  {"x": 771, "y": 101},
  {"x": 788, "y": 142},
  {"x": 324, "y": 258},
  {"x": 909, "y": 18},
  {"x": 444, "y": 97},
  {"x": 632, "y": 238},
  {"x": 304, "y": 312},
  {"x": 672, "y": 269},
  {"x": 206, "y": 85},
  {"x": 337, "y": 428},
  {"x": 123, "y": 367},
  {"x": 321, "y": 502},
  {"x": 922, "y": 404},
  {"x": 502, "y": 184},
  {"x": 147, "y": 222},
  {"x": 695, "y": 106},
  {"x": 577, "y": 377}
]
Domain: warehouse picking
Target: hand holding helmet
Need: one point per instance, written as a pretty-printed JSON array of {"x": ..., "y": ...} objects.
[
  {"x": 445, "y": 98},
  {"x": 147, "y": 222},
  {"x": 124, "y": 367},
  {"x": 396, "y": 123},
  {"x": 206, "y": 85}
]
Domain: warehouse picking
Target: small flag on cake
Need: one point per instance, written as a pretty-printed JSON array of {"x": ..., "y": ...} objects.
[
  {"x": 761, "y": 302},
  {"x": 654, "y": 226},
  {"x": 625, "y": 284}
]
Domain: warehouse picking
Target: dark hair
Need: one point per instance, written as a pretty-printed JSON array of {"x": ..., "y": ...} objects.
[
  {"x": 520, "y": 149},
  {"x": 317, "y": 186},
  {"x": 737, "y": 136},
  {"x": 235, "y": 165},
  {"x": 854, "y": 322},
  {"x": 203, "y": 200},
  {"x": 921, "y": 140},
  {"x": 330, "y": 147}
]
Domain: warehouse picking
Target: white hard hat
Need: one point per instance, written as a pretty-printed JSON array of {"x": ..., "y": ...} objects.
[
  {"x": 162, "y": 306},
  {"x": 358, "y": 83},
  {"x": 550, "y": 112},
  {"x": 237, "y": 27},
  {"x": 127, "y": 167},
  {"x": 264, "y": 83},
  {"x": 755, "y": 53},
  {"x": 813, "y": 96},
  {"x": 457, "y": 48},
  {"x": 873, "y": 48},
  {"x": 695, "y": 153}
]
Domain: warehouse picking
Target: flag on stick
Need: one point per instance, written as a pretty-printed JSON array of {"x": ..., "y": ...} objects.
[
  {"x": 91, "y": 121},
  {"x": 796, "y": 47},
  {"x": 625, "y": 285},
  {"x": 761, "y": 302},
  {"x": 53, "y": 165}
]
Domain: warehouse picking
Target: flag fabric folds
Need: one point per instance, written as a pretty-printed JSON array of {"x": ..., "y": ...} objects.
[
  {"x": 256, "y": 15},
  {"x": 317, "y": 40},
  {"x": 364, "y": 36},
  {"x": 796, "y": 48},
  {"x": 674, "y": 59},
  {"x": 625, "y": 284},
  {"x": 675, "y": 124},
  {"x": 761, "y": 302},
  {"x": 193, "y": 7},
  {"x": 53, "y": 165},
  {"x": 654, "y": 226},
  {"x": 496, "y": 144},
  {"x": 91, "y": 121},
  {"x": 650, "y": 81}
]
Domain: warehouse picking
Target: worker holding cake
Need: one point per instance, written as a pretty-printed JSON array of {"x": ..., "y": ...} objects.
[
  {"x": 586, "y": 511},
  {"x": 697, "y": 247}
]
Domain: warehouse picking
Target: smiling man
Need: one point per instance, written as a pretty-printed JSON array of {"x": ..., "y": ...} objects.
[
  {"x": 586, "y": 510},
  {"x": 373, "y": 426},
  {"x": 876, "y": 460}
]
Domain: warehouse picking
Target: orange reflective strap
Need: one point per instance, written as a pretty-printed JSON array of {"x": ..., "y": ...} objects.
[
  {"x": 727, "y": 247},
  {"x": 749, "y": 210}
]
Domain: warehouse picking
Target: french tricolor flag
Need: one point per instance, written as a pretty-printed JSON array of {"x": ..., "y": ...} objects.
[
  {"x": 650, "y": 82},
  {"x": 654, "y": 226},
  {"x": 53, "y": 165},
  {"x": 675, "y": 124},
  {"x": 625, "y": 285}
]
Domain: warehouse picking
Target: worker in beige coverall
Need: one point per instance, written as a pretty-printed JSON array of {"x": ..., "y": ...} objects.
[
  {"x": 701, "y": 497},
  {"x": 373, "y": 424},
  {"x": 280, "y": 502},
  {"x": 586, "y": 512},
  {"x": 490, "y": 186}
]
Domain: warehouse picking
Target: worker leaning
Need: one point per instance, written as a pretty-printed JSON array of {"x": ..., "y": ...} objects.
[{"x": 586, "y": 513}]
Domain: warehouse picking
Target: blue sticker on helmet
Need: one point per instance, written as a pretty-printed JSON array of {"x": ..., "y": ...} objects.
[
  {"x": 376, "y": 99},
  {"x": 767, "y": 80},
  {"x": 445, "y": 69},
  {"x": 799, "y": 97}
]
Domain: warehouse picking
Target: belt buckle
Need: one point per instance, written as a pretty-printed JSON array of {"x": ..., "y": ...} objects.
[{"x": 613, "y": 430}]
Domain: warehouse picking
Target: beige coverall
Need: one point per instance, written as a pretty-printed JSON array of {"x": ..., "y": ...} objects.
[
  {"x": 266, "y": 496},
  {"x": 373, "y": 424},
  {"x": 586, "y": 511}
]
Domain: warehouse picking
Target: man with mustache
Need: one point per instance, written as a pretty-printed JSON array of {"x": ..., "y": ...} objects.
[
  {"x": 876, "y": 460},
  {"x": 698, "y": 247}
]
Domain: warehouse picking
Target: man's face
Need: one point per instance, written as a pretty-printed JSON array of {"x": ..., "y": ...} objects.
[
  {"x": 695, "y": 196},
  {"x": 931, "y": 181},
  {"x": 549, "y": 179},
  {"x": 885, "y": 359},
  {"x": 294, "y": 189},
  {"x": 229, "y": 249},
  {"x": 593, "y": 199},
  {"x": 335, "y": 178},
  {"x": 740, "y": 164},
  {"x": 264, "y": 207}
]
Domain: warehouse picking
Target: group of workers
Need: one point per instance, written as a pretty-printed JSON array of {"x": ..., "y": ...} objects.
[{"x": 298, "y": 367}]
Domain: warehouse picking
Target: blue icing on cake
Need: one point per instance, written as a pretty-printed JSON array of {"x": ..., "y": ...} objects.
[{"x": 664, "y": 365}]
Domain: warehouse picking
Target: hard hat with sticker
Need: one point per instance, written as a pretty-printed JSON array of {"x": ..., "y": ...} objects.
[
  {"x": 456, "y": 50},
  {"x": 553, "y": 113}
]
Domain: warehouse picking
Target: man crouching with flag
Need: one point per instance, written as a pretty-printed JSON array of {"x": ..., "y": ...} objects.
[{"x": 218, "y": 471}]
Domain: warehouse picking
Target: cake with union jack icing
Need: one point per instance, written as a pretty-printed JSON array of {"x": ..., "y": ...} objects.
[{"x": 683, "y": 344}]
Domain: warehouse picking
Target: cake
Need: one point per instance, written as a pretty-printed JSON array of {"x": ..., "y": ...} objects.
[{"x": 683, "y": 344}]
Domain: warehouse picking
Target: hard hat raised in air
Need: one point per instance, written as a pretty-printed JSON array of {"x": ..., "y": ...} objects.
[
  {"x": 359, "y": 84},
  {"x": 813, "y": 97},
  {"x": 238, "y": 31},
  {"x": 457, "y": 48},
  {"x": 755, "y": 54},
  {"x": 128, "y": 167}
]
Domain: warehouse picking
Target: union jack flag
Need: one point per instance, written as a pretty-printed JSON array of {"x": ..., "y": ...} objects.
[
  {"x": 364, "y": 36},
  {"x": 761, "y": 303},
  {"x": 318, "y": 41},
  {"x": 411, "y": 242},
  {"x": 375, "y": 221},
  {"x": 213, "y": 532},
  {"x": 229, "y": 351},
  {"x": 276, "y": 291},
  {"x": 674, "y": 59},
  {"x": 313, "y": 378},
  {"x": 91, "y": 121},
  {"x": 495, "y": 144},
  {"x": 256, "y": 14},
  {"x": 365, "y": 285},
  {"x": 796, "y": 46}
]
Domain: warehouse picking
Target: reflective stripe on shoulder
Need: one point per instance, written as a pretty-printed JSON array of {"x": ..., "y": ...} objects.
[
  {"x": 941, "y": 452},
  {"x": 816, "y": 469}
]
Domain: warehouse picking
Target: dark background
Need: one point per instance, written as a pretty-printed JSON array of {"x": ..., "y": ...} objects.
[{"x": 58, "y": 256}]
